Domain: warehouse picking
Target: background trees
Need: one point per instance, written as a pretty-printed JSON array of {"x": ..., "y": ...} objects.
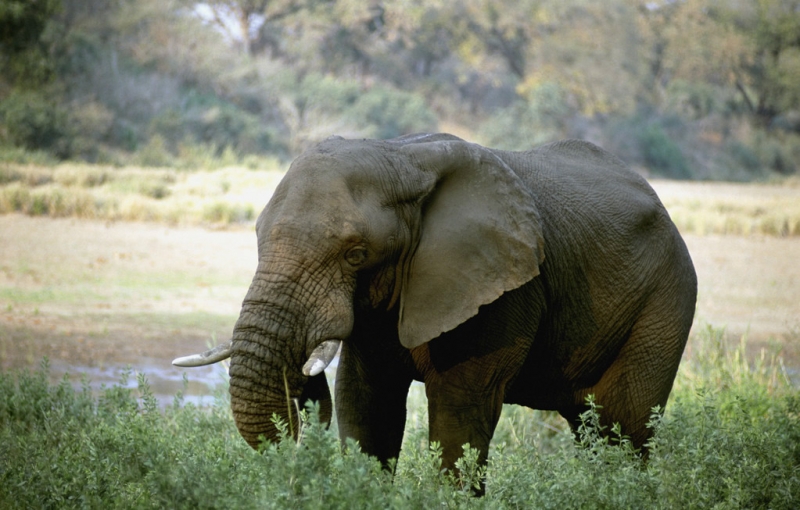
[{"x": 688, "y": 88}]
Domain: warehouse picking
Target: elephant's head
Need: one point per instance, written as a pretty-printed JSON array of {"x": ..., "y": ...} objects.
[{"x": 430, "y": 224}]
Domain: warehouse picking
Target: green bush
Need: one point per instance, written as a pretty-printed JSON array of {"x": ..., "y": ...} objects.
[
  {"x": 529, "y": 122},
  {"x": 650, "y": 141},
  {"x": 693, "y": 100},
  {"x": 35, "y": 122},
  {"x": 155, "y": 153},
  {"x": 23, "y": 156},
  {"x": 90, "y": 127},
  {"x": 730, "y": 438},
  {"x": 779, "y": 152},
  {"x": 207, "y": 121},
  {"x": 743, "y": 156},
  {"x": 323, "y": 105},
  {"x": 662, "y": 155},
  {"x": 388, "y": 113}
]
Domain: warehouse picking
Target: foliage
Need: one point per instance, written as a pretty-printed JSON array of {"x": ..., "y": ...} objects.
[
  {"x": 661, "y": 154},
  {"x": 535, "y": 120},
  {"x": 154, "y": 80},
  {"x": 205, "y": 120},
  {"x": 317, "y": 105},
  {"x": 35, "y": 122},
  {"x": 23, "y": 49},
  {"x": 730, "y": 438}
]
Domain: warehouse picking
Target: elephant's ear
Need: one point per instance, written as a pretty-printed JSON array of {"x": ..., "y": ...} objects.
[{"x": 480, "y": 236}]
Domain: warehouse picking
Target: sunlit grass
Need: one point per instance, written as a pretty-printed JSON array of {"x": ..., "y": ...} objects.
[
  {"x": 736, "y": 209},
  {"x": 221, "y": 196}
]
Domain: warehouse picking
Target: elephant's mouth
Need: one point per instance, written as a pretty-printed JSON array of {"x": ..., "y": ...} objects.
[
  {"x": 318, "y": 361},
  {"x": 321, "y": 357}
]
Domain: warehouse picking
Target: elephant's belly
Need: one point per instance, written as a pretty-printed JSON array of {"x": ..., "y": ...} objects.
[
  {"x": 542, "y": 383},
  {"x": 542, "y": 392}
]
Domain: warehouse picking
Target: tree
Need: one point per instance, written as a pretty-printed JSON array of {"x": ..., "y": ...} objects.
[
  {"x": 24, "y": 51},
  {"x": 752, "y": 47},
  {"x": 503, "y": 30},
  {"x": 252, "y": 23},
  {"x": 774, "y": 73}
]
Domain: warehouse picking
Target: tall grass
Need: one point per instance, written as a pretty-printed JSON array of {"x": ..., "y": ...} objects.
[
  {"x": 223, "y": 195},
  {"x": 737, "y": 209},
  {"x": 730, "y": 438}
]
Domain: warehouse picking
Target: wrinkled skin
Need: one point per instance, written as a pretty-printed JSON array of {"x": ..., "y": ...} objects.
[{"x": 533, "y": 278}]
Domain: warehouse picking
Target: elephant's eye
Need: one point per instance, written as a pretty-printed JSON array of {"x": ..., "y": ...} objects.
[{"x": 356, "y": 256}]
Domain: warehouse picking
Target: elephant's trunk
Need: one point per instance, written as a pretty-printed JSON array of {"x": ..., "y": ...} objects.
[{"x": 266, "y": 378}]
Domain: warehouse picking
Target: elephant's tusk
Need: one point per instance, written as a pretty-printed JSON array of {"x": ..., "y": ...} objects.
[
  {"x": 321, "y": 357},
  {"x": 217, "y": 354}
]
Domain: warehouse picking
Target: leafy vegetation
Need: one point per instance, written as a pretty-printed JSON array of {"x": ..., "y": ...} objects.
[
  {"x": 730, "y": 438},
  {"x": 700, "y": 89}
]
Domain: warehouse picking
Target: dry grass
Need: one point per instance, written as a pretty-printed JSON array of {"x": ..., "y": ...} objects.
[
  {"x": 236, "y": 194},
  {"x": 223, "y": 196},
  {"x": 727, "y": 208}
]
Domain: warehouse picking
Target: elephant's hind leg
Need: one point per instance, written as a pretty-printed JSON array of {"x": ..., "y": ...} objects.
[{"x": 641, "y": 376}]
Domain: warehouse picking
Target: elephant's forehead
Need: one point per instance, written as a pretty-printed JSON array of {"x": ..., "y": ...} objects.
[
  {"x": 349, "y": 163},
  {"x": 317, "y": 204}
]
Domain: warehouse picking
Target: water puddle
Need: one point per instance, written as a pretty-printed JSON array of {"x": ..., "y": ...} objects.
[{"x": 200, "y": 388}]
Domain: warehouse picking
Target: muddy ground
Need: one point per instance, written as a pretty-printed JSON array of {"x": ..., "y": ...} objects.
[{"x": 95, "y": 296}]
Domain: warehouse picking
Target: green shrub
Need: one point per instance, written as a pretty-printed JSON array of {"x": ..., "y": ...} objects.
[
  {"x": 35, "y": 122},
  {"x": 730, "y": 438},
  {"x": 778, "y": 152},
  {"x": 388, "y": 113},
  {"x": 531, "y": 121},
  {"x": 225, "y": 212},
  {"x": 662, "y": 155},
  {"x": 318, "y": 106},
  {"x": 206, "y": 123},
  {"x": 694, "y": 100},
  {"x": 90, "y": 127},
  {"x": 743, "y": 156},
  {"x": 21, "y": 155}
]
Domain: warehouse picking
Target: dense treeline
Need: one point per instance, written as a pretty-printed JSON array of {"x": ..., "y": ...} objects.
[{"x": 705, "y": 89}]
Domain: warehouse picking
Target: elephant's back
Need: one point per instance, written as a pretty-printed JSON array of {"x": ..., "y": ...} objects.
[
  {"x": 579, "y": 170},
  {"x": 583, "y": 191}
]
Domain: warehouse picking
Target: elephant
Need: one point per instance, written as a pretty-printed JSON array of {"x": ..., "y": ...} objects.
[{"x": 534, "y": 278}]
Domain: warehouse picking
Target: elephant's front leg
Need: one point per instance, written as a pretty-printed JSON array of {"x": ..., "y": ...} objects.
[
  {"x": 458, "y": 415},
  {"x": 466, "y": 376},
  {"x": 371, "y": 402}
]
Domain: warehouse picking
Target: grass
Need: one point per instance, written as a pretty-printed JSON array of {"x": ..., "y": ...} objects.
[
  {"x": 221, "y": 196},
  {"x": 235, "y": 194},
  {"x": 734, "y": 209},
  {"x": 730, "y": 438}
]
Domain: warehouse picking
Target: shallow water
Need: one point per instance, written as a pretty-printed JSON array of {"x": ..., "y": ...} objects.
[{"x": 201, "y": 386}]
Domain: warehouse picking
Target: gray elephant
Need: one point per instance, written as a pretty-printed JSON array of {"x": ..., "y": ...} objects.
[{"x": 533, "y": 278}]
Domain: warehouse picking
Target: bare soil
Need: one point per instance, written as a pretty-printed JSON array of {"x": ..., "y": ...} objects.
[{"x": 95, "y": 296}]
